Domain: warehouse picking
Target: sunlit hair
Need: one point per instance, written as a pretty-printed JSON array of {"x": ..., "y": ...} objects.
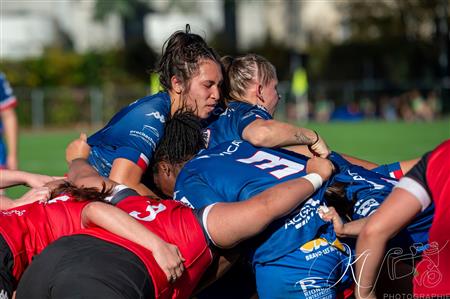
[
  {"x": 241, "y": 72},
  {"x": 82, "y": 193},
  {"x": 181, "y": 56},
  {"x": 183, "y": 138}
]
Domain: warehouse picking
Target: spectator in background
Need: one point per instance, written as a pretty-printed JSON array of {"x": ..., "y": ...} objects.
[
  {"x": 323, "y": 109},
  {"x": 434, "y": 104},
  {"x": 8, "y": 126},
  {"x": 421, "y": 109},
  {"x": 388, "y": 110}
]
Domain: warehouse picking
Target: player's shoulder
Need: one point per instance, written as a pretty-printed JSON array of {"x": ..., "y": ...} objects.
[{"x": 159, "y": 101}]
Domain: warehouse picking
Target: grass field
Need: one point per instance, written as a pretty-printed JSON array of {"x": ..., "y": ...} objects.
[{"x": 380, "y": 142}]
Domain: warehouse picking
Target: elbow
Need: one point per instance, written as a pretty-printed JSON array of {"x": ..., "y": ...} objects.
[
  {"x": 89, "y": 210},
  {"x": 374, "y": 231}
]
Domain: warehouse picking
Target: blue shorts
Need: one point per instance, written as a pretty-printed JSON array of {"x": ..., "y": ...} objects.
[{"x": 317, "y": 270}]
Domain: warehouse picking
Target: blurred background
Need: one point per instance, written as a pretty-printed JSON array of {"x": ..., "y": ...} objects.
[{"x": 373, "y": 77}]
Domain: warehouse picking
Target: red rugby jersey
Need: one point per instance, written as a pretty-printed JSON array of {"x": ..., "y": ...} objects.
[
  {"x": 30, "y": 228},
  {"x": 433, "y": 271},
  {"x": 175, "y": 223}
]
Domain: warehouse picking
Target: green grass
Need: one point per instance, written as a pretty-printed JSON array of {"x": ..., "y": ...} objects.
[{"x": 380, "y": 142}]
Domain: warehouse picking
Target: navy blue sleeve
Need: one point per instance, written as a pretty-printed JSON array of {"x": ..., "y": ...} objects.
[
  {"x": 250, "y": 116},
  {"x": 194, "y": 192}
]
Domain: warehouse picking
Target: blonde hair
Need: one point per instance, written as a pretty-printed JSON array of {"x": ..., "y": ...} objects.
[{"x": 241, "y": 72}]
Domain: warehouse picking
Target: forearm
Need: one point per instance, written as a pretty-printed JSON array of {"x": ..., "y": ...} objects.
[
  {"x": 369, "y": 255},
  {"x": 272, "y": 133},
  {"x": 9, "y": 178},
  {"x": 352, "y": 229},
  {"x": 360, "y": 162},
  {"x": 120, "y": 223},
  {"x": 231, "y": 223}
]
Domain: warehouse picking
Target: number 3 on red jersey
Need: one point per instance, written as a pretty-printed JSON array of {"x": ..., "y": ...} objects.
[{"x": 150, "y": 212}]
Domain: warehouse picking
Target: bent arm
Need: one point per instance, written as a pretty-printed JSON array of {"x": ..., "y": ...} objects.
[
  {"x": 272, "y": 133},
  {"x": 9, "y": 178},
  {"x": 125, "y": 172},
  {"x": 120, "y": 223},
  {"x": 394, "y": 214},
  {"x": 230, "y": 223}
]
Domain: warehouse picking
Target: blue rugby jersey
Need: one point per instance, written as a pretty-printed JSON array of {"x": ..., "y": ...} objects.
[
  {"x": 232, "y": 122},
  {"x": 7, "y": 100},
  {"x": 369, "y": 188},
  {"x": 133, "y": 134},
  {"x": 235, "y": 171}
]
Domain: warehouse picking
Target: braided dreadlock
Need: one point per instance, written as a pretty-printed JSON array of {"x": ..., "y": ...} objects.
[{"x": 183, "y": 138}]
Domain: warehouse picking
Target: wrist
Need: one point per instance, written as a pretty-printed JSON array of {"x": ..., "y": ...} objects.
[
  {"x": 315, "y": 179},
  {"x": 317, "y": 138}
]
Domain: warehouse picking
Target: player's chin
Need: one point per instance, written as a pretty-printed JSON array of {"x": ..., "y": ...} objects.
[{"x": 205, "y": 112}]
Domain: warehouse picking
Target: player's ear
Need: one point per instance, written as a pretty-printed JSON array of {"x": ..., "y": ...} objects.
[
  {"x": 164, "y": 168},
  {"x": 177, "y": 85},
  {"x": 259, "y": 92}
]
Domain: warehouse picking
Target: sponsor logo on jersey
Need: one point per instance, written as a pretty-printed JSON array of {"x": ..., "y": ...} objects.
[
  {"x": 13, "y": 212},
  {"x": 367, "y": 207},
  {"x": 313, "y": 245},
  {"x": 308, "y": 211},
  {"x": 158, "y": 116},
  {"x": 356, "y": 177},
  {"x": 147, "y": 139},
  {"x": 151, "y": 129},
  {"x": 58, "y": 198},
  {"x": 312, "y": 288},
  {"x": 206, "y": 136},
  {"x": 317, "y": 248},
  {"x": 183, "y": 199}
]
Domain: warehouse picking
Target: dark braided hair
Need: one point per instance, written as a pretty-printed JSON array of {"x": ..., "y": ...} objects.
[
  {"x": 81, "y": 193},
  {"x": 183, "y": 138},
  {"x": 181, "y": 55}
]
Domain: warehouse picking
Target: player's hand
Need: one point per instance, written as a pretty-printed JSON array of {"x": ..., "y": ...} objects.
[
  {"x": 322, "y": 167},
  {"x": 34, "y": 180},
  {"x": 79, "y": 148},
  {"x": 170, "y": 260},
  {"x": 320, "y": 148},
  {"x": 41, "y": 194},
  {"x": 330, "y": 214}
]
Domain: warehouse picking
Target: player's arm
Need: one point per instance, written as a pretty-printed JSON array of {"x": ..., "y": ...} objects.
[
  {"x": 11, "y": 129},
  {"x": 126, "y": 172},
  {"x": 120, "y": 223},
  {"x": 123, "y": 171},
  {"x": 272, "y": 133},
  {"x": 396, "y": 212},
  {"x": 343, "y": 230},
  {"x": 230, "y": 223},
  {"x": 34, "y": 194},
  {"x": 10, "y": 178}
]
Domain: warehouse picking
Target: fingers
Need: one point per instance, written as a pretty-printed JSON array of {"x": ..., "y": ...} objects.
[{"x": 83, "y": 136}]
